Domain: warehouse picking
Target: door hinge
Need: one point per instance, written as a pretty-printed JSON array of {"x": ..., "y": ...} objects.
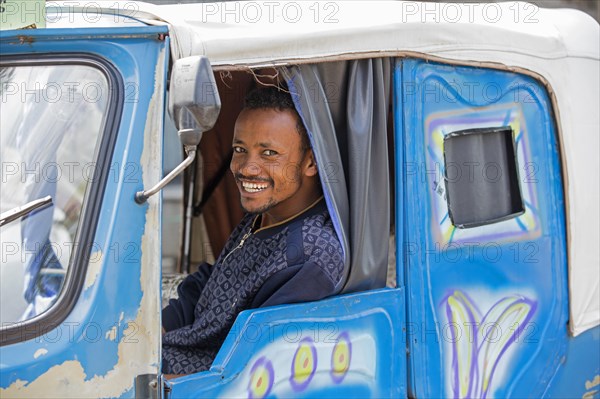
[{"x": 146, "y": 386}]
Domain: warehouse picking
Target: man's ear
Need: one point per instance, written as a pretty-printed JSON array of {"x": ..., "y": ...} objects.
[{"x": 310, "y": 165}]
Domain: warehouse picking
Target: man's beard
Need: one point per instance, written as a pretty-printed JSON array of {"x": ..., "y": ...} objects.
[{"x": 270, "y": 204}]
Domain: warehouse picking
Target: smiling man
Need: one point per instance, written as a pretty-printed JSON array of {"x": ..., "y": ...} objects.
[
  {"x": 284, "y": 250},
  {"x": 272, "y": 161}
]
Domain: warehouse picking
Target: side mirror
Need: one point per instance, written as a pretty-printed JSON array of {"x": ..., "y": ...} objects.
[
  {"x": 194, "y": 106},
  {"x": 194, "y": 102}
]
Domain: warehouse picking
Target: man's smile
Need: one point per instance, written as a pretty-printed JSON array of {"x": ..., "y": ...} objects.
[{"x": 253, "y": 187}]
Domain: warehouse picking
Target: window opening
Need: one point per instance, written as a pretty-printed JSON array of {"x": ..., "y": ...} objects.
[
  {"x": 52, "y": 116},
  {"x": 481, "y": 176}
]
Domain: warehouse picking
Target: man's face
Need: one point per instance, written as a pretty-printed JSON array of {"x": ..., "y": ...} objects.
[{"x": 272, "y": 172}]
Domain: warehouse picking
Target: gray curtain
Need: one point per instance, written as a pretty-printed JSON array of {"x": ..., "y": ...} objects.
[{"x": 344, "y": 106}]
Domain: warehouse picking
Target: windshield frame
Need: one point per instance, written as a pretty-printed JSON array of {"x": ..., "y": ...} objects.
[{"x": 11, "y": 333}]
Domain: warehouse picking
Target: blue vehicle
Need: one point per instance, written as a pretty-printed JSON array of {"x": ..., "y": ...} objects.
[{"x": 457, "y": 146}]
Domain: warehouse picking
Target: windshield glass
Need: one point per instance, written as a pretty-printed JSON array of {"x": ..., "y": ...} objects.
[{"x": 51, "y": 119}]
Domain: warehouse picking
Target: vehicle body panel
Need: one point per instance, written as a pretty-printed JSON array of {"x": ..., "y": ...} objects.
[
  {"x": 488, "y": 304},
  {"x": 112, "y": 333},
  {"x": 504, "y": 310},
  {"x": 300, "y": 357}
]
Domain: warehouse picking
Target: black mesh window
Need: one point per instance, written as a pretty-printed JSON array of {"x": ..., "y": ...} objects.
[{"x": 481, "y": 174}]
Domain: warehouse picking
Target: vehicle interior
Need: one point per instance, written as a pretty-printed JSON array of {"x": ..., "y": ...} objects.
[{"x": 215, "y": 208}]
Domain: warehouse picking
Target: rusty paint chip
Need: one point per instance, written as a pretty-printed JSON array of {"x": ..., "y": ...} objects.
[{"x": 23, "y": 39}]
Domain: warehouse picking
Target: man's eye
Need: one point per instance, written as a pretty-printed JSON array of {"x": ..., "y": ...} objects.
[
  {"x": 239, "y": 150},
  {"x": 269, "y": 153}
]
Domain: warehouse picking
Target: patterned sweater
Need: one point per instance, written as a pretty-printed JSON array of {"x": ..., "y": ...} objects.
[{"x": 297, "y": 260}]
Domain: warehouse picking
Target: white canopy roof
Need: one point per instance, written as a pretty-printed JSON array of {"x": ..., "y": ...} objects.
[
  {"x": 263, "y": 32},
  {"x": 562, "y": 47}
]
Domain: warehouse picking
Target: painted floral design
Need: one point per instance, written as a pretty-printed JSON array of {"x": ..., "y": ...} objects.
[
  {"x": 476, "y": 356},
  {"x": 340, "y": 358},
  {"x": 304, "y": 364},
  {"x": 261, "y": 379}
]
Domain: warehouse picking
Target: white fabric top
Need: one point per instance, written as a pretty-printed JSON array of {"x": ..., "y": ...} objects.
[{"x": 561, "y": 46}]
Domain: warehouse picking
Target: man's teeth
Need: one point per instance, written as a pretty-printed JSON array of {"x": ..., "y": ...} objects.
[{"x": 254, "y": 187}]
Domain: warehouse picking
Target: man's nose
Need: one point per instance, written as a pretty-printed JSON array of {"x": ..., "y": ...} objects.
[{"x": 249, "y": 167}]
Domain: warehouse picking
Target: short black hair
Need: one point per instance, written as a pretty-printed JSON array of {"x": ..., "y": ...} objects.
[{"x": 279, "y": 99}]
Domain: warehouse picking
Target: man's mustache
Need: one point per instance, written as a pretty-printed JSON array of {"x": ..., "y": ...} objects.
[{"x": 239, "y": 176}]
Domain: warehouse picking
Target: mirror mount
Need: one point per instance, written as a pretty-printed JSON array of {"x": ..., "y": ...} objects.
[
  {"x": 194, "y": 106},
  {"x": 142, "y": 196}
]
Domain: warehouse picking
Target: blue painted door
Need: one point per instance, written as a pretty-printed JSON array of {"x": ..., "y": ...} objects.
[
  {"x": 349, "y": 346},
  {"x": 84, "y": 318},
  {"x": 487, "y": 298}
]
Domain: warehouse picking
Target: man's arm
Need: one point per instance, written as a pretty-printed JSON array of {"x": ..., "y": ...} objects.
[
  {"x": 309, "y": 277},
  {"x": 180, "y": 312},
  {"x": 302, "y": 283}
]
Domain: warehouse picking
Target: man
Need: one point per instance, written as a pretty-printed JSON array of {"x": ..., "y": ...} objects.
[{"x": 284, "y": 250}]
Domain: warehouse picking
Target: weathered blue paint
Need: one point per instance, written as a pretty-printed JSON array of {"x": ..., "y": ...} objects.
[
  {"x": 526, "y": 259},
  {"x": 400, "y": 166},
  {"x": 26, "y": 41},
  {"x": 519, "y": 263},
  {"x": 274, "y": 334},
  {"x": 112, "y": 301},
  {"x": 579, "y": 372}
]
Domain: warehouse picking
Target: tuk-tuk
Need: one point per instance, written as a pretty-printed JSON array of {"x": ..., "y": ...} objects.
[{"x": 457, "y": 150}]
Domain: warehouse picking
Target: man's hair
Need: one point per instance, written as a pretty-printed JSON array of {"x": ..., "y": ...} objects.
[{"x": 277, "y": 98}]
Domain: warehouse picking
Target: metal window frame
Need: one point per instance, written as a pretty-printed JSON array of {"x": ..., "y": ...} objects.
[{"x": 88, "y": 220}]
